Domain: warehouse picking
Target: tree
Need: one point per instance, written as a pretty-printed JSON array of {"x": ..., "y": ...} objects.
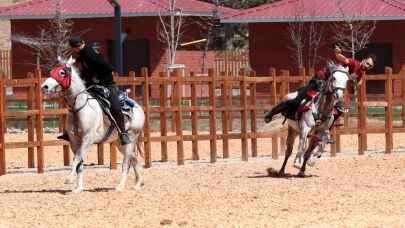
[
  {"x": 241, "y": 4},
  {"x": 306, "y": 38},
  {"x": 236, "y": 35},
  {"x": 352, "y": 34},
  {"x": 52, "y": 41},
  {"x": 170, "y": 30}
]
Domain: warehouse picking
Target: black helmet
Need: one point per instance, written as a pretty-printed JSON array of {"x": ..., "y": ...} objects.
[{"x": 75, "y": 41}]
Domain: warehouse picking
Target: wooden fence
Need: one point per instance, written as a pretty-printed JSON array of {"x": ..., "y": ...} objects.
[
  {"x": 5, "y": 63},
  {"x": 219, "y": 105},
  {"x": 231, "y": 62}
]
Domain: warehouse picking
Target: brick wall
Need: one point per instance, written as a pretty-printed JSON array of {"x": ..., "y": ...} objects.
[
  {"x": 101, "y": 30},
  {"x": 269, "y": 45},
  {"x": 270, "y": 42}
]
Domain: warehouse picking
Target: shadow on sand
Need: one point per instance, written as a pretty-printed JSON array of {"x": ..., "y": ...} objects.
[
  {"x": 59, "y": 191},
  {"x": 275, "y": 174}
]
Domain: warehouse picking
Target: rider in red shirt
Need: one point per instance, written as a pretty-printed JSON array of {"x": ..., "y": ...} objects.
[{"x": 356, "y": 71}]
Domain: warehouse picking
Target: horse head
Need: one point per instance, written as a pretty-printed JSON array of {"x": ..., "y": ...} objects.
[
  {"x": 60, "y": 76},
  {"x": 337, "y": 82}
]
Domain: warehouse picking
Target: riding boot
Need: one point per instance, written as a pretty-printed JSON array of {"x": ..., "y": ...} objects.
[
  {"x": 64, "y": 136},
  {"x": 117, "y": 114},
  {"x": 124, "y": 137},
  {"x": 281, "y": 107}
]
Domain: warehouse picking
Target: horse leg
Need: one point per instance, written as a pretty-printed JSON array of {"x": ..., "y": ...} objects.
[
  {"x": 302, "y": 144},
  {"x": 126, "y": 151},
  {"x": 78, "y": 163},
  {"x": 312, "y": 144},
  {"x": 137, "y": 169},
  {"x": 76, "y": 160},
  {"x": 290, "y": 143},
  {"x": 318, "y": 154}
]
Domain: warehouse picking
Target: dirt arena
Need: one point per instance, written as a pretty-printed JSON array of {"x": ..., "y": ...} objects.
[{"x": 346, "y": 191}]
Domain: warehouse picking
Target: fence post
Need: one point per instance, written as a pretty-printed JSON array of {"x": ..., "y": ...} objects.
[
  {"x": 62, "y": 126},
  {"x": 225, "y": 116},
  {"x": 285, "y": 74},
  {"x": 362, "y": 120},
  {"x": 229, "y": 90},
  {"x": 163, "y": 117},
  {"x": 274, "y": 138},
  {"x": 253, "y": 116},
  {"x": 39, "y": 122},
  {"x": 388, "y": 111},
  {"x": 113, "y": 155},
  {"x": 402, "y": 73},
  {"x": 243, "y": 118},
  {"x": 132, "y": 87},
  {"x": 30, "y": 122},
  {"x": 178, "y": 115},
  {"x": 194, "y": 118},
  {"x": 212, "y": 113},
  {"x": 301, "y": 73},
  {"x": 2, "y": 127},
  {"x": 147, "y": 142}
]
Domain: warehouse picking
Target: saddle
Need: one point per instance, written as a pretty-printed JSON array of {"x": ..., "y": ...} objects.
[{"x": 101, "y": 94}]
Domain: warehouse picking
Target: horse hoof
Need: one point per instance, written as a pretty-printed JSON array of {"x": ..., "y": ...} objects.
[
  {"x": 311, "y": 163},
  {"x": 281, "y": 174},
  {"x": 301, "y": 174},
  {"x": 77, "y": 190},
  {"x": 297, "y": 165},
  {"x": 119, "y": 189},
  {"x": 138, "y": 187}
]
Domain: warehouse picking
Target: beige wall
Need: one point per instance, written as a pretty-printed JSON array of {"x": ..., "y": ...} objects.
[{"x": 5, "y": 27}]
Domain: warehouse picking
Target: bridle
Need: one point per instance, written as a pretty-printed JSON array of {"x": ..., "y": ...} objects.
[{"x": 62, "y": 73}]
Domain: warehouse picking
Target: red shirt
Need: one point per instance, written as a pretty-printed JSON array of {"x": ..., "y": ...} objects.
[
  {"x": 321, "y": 74},
  {"x": 354, "y": 68}
]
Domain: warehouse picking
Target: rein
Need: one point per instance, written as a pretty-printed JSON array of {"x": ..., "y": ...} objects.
[{"x": 71, "y": 107}]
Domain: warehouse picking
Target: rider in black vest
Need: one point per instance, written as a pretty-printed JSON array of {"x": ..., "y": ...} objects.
[{"x": 96, "y": 70}]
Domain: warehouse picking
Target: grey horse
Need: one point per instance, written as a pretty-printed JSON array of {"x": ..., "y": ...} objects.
[{"x": 86, "y": 124}]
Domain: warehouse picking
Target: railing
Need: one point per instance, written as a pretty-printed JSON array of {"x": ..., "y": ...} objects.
[
  {"x": 231, "y": 62},
  {"x": 220, "y": 104}
]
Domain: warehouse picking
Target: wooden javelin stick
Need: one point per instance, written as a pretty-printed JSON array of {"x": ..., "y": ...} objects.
[{"x": 193, "y": 42}]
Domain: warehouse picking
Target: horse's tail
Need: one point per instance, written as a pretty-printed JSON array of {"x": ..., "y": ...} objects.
[
  {"x": 141, "y": 153},
  {"x": 138, "y": 146}
]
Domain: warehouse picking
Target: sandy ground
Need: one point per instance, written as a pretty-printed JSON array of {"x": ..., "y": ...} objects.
[
  {"x": 360, "y": 191},
  {"x": 346, "y": 191}
]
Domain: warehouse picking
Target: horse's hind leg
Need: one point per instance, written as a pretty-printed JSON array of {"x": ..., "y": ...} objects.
[
  {"x": 305, "y": 129},
  {"x": 126, "y": 150},
  {"x": 290, "y": 143},
  {"x": 137, "y": 168},
  {"x": 312, "y": 144}
]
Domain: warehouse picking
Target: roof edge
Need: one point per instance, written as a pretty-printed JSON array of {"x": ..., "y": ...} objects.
[
  {"x": 78, "y": 16},
  {"x": 309, "y": 19}
]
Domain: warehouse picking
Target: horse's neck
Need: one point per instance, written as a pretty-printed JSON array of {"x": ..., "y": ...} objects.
[
  {"x": 76, "y": 87},
  {"x": 325, "y": 104}
]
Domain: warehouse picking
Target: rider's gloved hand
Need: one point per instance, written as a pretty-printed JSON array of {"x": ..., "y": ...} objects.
[{"x": 337, "y": 49}]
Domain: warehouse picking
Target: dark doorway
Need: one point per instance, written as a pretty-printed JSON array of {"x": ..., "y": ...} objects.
[
  {"x": 383, "y": 51},
  {"x": 135, "y": 55}
]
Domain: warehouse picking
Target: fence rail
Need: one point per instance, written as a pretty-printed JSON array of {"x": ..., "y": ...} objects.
[
  {"x": 221, "y": 104},
  {"x": 5, "y": 63},
  {"x": 231, "y": 62}
]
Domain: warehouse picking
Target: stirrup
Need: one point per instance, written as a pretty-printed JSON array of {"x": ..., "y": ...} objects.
[
  {"x": 64, "y": 136},
  {"x": 330, "y": 141},
  {"x": 124, "y": 138}
]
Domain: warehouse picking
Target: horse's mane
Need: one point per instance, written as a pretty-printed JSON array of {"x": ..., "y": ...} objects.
[
  {"x": 332, "y": 66},
  {"x": 74, "y": 69}
]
